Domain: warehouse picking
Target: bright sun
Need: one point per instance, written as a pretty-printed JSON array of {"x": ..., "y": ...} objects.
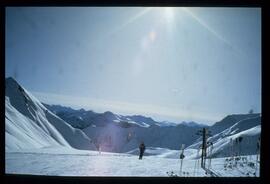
[{"x": 169, "y": 14}]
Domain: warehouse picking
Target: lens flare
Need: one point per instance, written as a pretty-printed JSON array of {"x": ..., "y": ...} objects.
[{"x": 152, "y": 36}]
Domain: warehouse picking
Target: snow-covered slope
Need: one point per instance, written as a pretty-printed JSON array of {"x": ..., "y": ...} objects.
[
  {"x": 30, "y": 125},
  {"x": 222, "y": 147},
  {"x": 22, "y": 132},
  {"x": 229, "y": 121},
  {"x": 224, "y": 142}
]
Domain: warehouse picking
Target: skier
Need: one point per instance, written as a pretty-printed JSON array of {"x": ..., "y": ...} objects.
[
  {"x": 142, "y": 148},
  {"x": 98, "y": 148}
]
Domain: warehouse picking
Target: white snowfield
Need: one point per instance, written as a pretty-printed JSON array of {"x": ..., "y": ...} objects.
[{"x": 71, "y": 162}]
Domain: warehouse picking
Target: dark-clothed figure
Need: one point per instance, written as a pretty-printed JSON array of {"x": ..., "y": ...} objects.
[
  {"x": 99, "y": 148},
  {"x": 142, "y": 148}
]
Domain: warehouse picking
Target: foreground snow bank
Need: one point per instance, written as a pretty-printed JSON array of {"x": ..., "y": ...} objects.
[{"x": 72, "y": 162}]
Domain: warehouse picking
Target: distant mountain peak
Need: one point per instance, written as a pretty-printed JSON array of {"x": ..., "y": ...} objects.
[
  {"x": 11, "y": 79},
  {"x": 193, "y": 124},
  {"x": 82, "y": 110},
  {"x": 108, "y": 113},
  {"x": 12, "y": 82}
]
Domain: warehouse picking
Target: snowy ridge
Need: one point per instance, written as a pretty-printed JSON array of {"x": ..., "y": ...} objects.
[
  {"x": 250, "y": 137},
  {"x": 30, "y": 125},
  {"x": 82, "y": 119},
  {"x": 193, "y": 124},
  {"x": 247, "y": 128},
  {"x": 28, "y": 134},
  {"x": 230, "y": 120}
]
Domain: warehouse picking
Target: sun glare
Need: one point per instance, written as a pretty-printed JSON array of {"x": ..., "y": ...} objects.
[{"x": 169, "y": 14}]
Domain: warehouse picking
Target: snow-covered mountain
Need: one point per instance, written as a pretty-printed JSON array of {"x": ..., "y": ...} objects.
[
  {"x": 230, "y": 120},
  {"x": 82, "y": 118},
  {"x": 118, "y": 133},
  {"x": 37, "y": 141},
  {"x": 118, "y": 139},
  {"x": 194, "y": 124},
  {"x": 76, "y": 118},
  {"x": 28, "y": 124},
  {"x": 225, "y": 133}
]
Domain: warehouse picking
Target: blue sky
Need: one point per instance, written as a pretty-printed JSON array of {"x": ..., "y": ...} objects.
[{"x": 172, "y": 64}]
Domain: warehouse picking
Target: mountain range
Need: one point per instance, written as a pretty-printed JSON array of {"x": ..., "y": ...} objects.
[
  {"x": 31, "y": 124},
  {"x": 82, "y": 118}
]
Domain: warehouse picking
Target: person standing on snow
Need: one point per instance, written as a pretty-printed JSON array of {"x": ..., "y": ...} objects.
[
  {"x": 98, "y": 148},
  {"x": 142, "y": 148}
]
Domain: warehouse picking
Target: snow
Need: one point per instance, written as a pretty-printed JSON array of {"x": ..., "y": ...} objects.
[
  {"x": 154, "y": 136},
  {"x": 30, "y": 125},
  {"x": 71, "y": 162},
  {"x": 141, "y": 124},
  {"x": 247, "y": 128},
  {"x": 22, "y": 132},
  {"x": 250, "y": 136},
  {"x": 246, "y": 120},
  {"x": 193, "y": 124},
  {"x": 39, "y": 142}
]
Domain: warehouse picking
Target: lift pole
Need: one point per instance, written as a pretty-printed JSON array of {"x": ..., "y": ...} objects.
[
  {"x": 182, "y": 156},
  {"x": 204, "y": 133}
]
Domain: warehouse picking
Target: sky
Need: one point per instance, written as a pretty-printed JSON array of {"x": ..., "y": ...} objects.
[{"x": 169, "y": 63}]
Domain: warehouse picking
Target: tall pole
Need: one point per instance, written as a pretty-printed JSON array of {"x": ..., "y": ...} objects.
[
  {"x": 231, "y": 147},
  {"x": 258, "y": 152},
  {"x": 204, "y": 133},
  {"x": 182, "y": 157},
  {"x": 210, "y": 154},
  {"x": 203, "y": 148}
]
